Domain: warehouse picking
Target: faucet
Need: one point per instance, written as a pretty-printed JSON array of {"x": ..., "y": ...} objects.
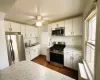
[{"x": 29, "y": 42}]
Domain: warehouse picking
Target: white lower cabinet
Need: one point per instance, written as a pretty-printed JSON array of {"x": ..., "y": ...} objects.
[
  {"x": 71, "y": 59},
  {"x": 77, "y": 58},
  {"x": 32, "y": 52},
  {"x": 27, "y": 54},
  {"x": 67, "y": 59}
]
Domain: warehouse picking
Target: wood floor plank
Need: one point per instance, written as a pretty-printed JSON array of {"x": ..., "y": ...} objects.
[{"x": 66, "y": 71}]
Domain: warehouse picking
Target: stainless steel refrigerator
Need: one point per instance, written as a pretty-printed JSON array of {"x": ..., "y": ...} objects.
[{"x": 15, "y": 47}]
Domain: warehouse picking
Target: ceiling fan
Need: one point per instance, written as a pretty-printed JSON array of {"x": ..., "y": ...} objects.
[{"x": 39, "y": 20}]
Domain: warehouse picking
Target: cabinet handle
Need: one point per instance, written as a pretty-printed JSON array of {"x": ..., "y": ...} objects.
[
  {"x": 71, "y": 32},
  {"x": 72, "y": 58},
  {"x": 10, "y": 29},
  {"x": 57, "y": 25}
]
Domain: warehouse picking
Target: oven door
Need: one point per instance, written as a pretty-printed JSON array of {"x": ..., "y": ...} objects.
[{"x": 57, "y": 58}]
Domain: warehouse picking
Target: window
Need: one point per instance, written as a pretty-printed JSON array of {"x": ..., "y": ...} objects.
[{"x": 90, "y": 44}]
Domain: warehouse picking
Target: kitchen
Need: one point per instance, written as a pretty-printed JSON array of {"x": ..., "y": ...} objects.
[{"x": 55, "y": 45}]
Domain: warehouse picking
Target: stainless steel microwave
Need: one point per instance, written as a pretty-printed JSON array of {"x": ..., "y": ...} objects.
[{"x": 58, "y": 31}]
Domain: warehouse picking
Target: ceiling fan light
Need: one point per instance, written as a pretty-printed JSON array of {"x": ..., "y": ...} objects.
[
  {"x": 39, "y": 23},
  {"x": 39, "y": 17}
]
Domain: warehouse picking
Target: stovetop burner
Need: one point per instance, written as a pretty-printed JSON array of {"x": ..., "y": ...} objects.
[{"x": 57, "y": 48}]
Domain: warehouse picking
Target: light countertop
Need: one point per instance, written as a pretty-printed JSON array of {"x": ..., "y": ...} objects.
[
  {"x": 27, "y": 70},
  {"x": 71, "y": 48}
]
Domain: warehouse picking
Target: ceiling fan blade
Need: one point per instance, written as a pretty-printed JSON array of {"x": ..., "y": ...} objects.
[
  {"x": 44, "y": 18},
  {"x": 31, "y": 20}
]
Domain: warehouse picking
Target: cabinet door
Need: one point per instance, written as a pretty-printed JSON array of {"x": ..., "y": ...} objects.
[
  {"x": 77, "y": 26},
  {"x": 68, "y": 59},
  {"x": 61, "y": 24},
  {"x": 77, "y": 58},
  {"x": 27, "y": 54},
  {"x": 32, "y": 54},
  {"x": 23, "y": 32},
  {"x": 32, "y": 31},
  {"x": 49, "y": 29},
  {"x": 28, "y": 31},
  {"x": 35, "y": 32},
  {"x": 7, "y": 26},
  {"x": 15, "y": 27},
  {"x": 36, "y": 51},
  {"x": 68, "y": 27},
  {"x": 54, "y": 25}
]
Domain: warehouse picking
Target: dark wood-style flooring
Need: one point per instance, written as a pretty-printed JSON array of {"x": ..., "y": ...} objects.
[{"x": 66, "y": 71}]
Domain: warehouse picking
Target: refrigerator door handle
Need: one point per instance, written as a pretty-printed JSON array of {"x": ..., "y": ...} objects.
[{"x": 12, "y": 51}]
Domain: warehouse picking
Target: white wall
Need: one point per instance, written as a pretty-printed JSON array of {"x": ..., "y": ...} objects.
[
  {"x": 33, "y": 40},
  {"x": 74, "y": 41},
  {"x": 3, "y": 49}
]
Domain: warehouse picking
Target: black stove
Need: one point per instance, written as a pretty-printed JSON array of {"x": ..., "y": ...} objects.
[
  {"x": 57, "y": 48},
  {"x": 56, "y": 54}
]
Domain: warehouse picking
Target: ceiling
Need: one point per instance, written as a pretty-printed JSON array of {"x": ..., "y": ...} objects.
[
  {"x": 5, "y": 5},
  {"x": 52, "y": 10}
]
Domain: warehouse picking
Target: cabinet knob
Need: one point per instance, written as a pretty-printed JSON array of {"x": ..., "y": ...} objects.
[
  {"x": 10, "y": 29},
  {"x": 71, "y": 32}
]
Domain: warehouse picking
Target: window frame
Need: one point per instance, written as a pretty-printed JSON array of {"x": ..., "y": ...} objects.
[{"x": 91, "y": 16}]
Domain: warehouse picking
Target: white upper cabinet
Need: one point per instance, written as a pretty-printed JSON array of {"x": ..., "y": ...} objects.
[
  {"x": 29, "y": 31},
  {"x": 23, "y": 30},
  {"x": 61, "y": 24},
  {"x": 73, "y": 27},
  {"x": 49, "y": 29},
  {"x": 15, "y": 27},
  {"x": 77, "y": 26},
  {"x": 68, "y": 27},
  {"x": 7, "y": 26},
  {"x": 58, "y": 24},
  {"x": 12, "y": 26},
  {"x": 54, "y": 25},
  {"x": 35, "y": 32}
]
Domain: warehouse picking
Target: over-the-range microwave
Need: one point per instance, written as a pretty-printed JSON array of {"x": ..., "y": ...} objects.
[{"x": 58, "y": 31}]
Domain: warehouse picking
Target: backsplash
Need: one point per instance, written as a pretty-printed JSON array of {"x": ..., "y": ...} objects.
[
  {"x": 70, "y": 41},
  {"x": 33, "y": 40}
]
